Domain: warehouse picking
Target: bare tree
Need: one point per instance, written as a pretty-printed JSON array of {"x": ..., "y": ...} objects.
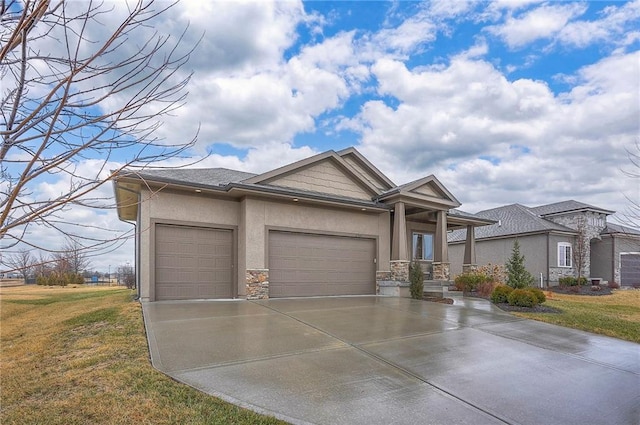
[
  {"x": 632, "y": 214},
  {"x": 127, "y": 276},
  {"x": 23, "y": 262},
  {"x": 43, "y": 265},
  {"x": 75, "y": 90},
  {"x": 580, "y": 251},
  {"x": 72, "y": 258}
]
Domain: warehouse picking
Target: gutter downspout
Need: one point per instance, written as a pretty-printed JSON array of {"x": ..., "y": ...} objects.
[
  {"x": 548, "y": 265},
  {"x": 613, "y": 259},
  {"x": 137, "y": 247}
]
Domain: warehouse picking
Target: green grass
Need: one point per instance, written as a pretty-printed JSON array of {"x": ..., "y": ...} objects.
[
  {"x": 616, "y": 315},
  {"x": 79, "y": 356}
]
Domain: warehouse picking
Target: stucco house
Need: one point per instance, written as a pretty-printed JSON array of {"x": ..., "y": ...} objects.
[
  {"x": 331, "y": 224},
  {"x": 547, "y": 235}
]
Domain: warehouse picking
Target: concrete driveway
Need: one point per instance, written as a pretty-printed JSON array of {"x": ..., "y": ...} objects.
[{"x": 379, "y": 360}]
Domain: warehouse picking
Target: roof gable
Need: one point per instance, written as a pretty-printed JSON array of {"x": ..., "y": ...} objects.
[
  {"x": 325, "y": 173},
  {"x": 427, "y": 189},
  {"x": 367, "y": 170}
]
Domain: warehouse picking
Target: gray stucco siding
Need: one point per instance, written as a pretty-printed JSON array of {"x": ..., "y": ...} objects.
[
  {"x": 602, "y": 258},
  {"x": 498, "y": 251}
]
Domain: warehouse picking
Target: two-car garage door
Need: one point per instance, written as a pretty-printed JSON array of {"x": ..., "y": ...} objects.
[
  {"x": 197, "y": 263},
  {"x": 320, "y": 265},
  {"x": 192, "y": 262}
]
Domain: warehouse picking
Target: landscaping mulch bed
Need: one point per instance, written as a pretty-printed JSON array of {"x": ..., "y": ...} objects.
[
  {"x": 501, "y": 306},
  {"x": 581, "y": 290},
  {"x": 440, "y": 300},
  {"x": 536, "y": 309}
]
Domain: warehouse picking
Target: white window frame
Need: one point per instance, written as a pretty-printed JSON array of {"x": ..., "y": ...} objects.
[{"x": 563, "y": 261}]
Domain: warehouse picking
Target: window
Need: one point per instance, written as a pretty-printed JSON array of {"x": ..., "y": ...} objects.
[
  {"x": 423, "y": 246},
  {"x": 564, "y": 254}
]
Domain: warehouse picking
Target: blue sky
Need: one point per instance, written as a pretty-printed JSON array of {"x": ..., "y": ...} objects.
[{"x": 509, "y": 101}]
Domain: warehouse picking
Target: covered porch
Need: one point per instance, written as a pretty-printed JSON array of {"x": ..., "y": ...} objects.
[{"x": 422, "y": 214}]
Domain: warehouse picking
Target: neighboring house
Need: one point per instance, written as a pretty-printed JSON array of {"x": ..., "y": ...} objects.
[
  {"x": 548, "y": 234},
  {"x": 332, "y": 224}
]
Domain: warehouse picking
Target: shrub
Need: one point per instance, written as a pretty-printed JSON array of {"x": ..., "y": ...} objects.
[
  {"x": 522, "y": 298},
  {"x": 572, "y": 281},
  {"x": 567, "y": 281},
  {"x": 500, "y": 294},
  {"x": 469, "y": 281},
  {"x": 60, "y": 279},
  {"x": 485, "y": 289},
  {"x": 540, "y": 296},
  {"x": 613, "y": 285},
  {"x": 416, "y": 278}
]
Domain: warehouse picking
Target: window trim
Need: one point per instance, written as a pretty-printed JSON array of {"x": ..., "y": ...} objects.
[
  {"x": 562, "y": 255},
  {"x": 413, "y": 245}
]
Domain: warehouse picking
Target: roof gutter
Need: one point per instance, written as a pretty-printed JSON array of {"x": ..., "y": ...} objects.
[{"x": 243, "y": 188}]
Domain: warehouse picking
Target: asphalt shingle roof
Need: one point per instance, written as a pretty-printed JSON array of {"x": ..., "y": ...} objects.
[
  {"x": 616, "y": 228},
  {"x": 510, "y": 220},
  {"x": 455, "y": 212},
  {"x": 563, "y": 206},
  {"x": 204, "y": 176}
]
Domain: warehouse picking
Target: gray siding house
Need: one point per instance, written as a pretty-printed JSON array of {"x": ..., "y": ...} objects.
[{"x": 547, "y": 235}]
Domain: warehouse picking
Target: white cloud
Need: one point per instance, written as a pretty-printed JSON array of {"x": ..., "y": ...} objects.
[
  {"x": 612, "y": 27},
  {"x": 446, "y": 9},
  {"x": 261, "y": 158},
  {"x": 408, "y": 36},
  {"x": 269, "y": 107},
  {"x": 493, "y": 141},
  {"x": 540, "y": 23},
  {"x": 240, "y": 36}
]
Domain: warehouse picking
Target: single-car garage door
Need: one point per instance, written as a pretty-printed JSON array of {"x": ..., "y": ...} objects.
[
  {"x": 302, "y": 265},
  {"x": 630, "y": 269},
  {"x": 192, "y": 262}
]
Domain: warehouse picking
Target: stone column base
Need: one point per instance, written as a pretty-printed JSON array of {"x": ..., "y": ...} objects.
[
  {"x": 441, "y": 271},
  {"x": 257, "y": 284},
  {"x": 467, "y": 268},
  {"x": 400, "y": 270}
]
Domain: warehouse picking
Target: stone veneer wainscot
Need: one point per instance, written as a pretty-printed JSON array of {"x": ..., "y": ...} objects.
[{"x": 257, "y": 284}]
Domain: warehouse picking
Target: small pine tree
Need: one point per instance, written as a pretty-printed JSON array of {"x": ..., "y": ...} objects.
[
  {"x": 518, "y": 275},
  {"x": 416, "y": 277}
]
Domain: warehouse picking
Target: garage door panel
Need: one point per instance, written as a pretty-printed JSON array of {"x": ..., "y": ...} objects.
[
  {"x": 192, "y": 263},
  {"x": 316, "y": 265},
  {"x": 630, "y": 269}
]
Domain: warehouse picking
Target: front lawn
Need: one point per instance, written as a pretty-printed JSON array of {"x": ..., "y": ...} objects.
[
  {"x": 616, "y": 315},
  {"x": 79, "y": 356}
]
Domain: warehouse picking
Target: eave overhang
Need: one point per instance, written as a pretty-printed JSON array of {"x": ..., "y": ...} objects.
[
  {"x": 417, "y": 200},
  {"x": 518, "y": 235},
  {"x": 128, "y": 186}
]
